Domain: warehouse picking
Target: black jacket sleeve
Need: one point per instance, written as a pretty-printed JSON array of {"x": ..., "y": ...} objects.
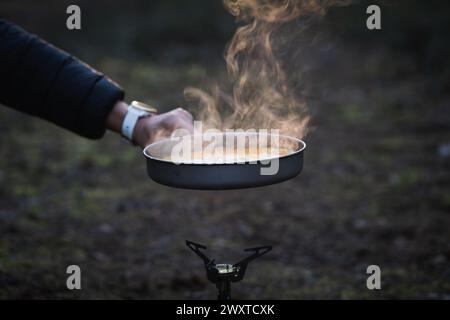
[{"x": 41, "y": 80}]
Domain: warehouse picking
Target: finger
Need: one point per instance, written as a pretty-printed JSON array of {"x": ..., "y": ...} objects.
[
  {"x": 184, "y": 113},
  {"x": 184, "y": 124},
  {"x": 182, "y": 128}
]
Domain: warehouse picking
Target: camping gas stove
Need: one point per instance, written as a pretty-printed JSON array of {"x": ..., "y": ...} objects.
[{"x": 222, "y": 274}]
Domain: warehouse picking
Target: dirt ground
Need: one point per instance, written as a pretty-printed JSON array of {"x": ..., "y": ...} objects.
[{"x": 375, "y": 190}]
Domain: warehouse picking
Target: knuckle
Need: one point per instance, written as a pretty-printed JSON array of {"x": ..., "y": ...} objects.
[{"x": 172, "y": 117}]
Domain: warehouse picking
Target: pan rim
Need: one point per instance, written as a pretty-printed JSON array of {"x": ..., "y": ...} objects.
[{"x": 300, "y": 149}]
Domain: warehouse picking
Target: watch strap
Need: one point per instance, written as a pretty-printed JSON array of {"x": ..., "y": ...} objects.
[{"x": 130, "y": 120}]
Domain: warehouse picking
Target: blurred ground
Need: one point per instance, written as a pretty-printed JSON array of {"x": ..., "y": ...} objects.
[{"x": 375, "y": 190}]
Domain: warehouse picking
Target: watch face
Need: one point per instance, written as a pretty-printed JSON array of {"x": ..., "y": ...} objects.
[{"x": 144, "y": 107}]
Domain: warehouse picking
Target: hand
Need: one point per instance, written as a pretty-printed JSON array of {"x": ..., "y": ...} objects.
[
  {"x": 150, "y": 129},
  {"x": 155, "y": 127}
]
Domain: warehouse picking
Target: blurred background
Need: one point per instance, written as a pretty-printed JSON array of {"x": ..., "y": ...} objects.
[{"x": 375, "y": 187}]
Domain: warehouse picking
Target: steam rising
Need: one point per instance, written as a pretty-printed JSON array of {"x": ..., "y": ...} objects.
[{"x": 257, "y": 58}]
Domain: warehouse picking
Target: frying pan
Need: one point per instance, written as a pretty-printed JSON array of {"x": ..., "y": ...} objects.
[{"x": 223, "y": 176}]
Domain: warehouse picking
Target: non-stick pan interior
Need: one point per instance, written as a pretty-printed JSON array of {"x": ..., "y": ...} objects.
[{"x": 276, "y": 146}]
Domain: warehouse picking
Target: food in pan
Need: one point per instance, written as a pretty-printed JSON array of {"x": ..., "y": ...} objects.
[{"x": 235, "y": 155}]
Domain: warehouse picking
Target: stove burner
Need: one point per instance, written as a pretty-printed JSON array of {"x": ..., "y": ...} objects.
[{"x": 223, "y": 274}]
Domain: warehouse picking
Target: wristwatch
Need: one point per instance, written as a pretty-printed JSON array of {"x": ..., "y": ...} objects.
[{"x": 136, "y": 110}]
